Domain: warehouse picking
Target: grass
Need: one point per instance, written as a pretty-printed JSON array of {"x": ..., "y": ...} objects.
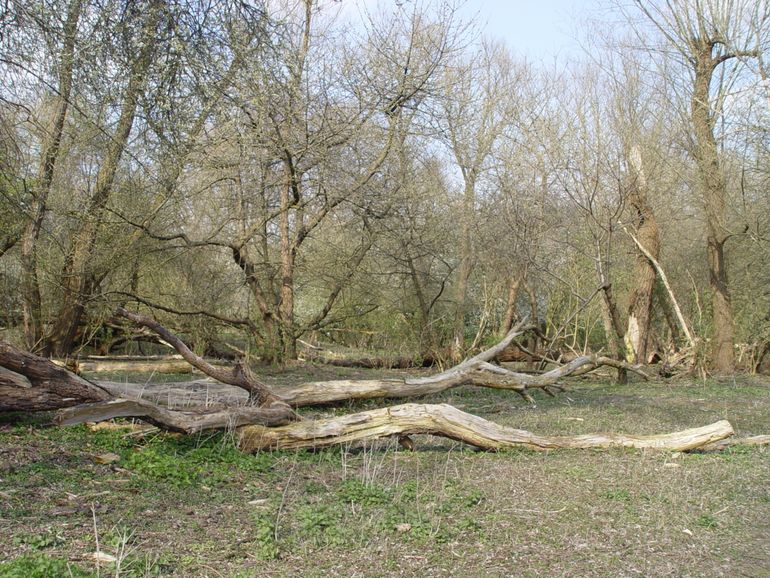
[{"x": 195, "y": 506}]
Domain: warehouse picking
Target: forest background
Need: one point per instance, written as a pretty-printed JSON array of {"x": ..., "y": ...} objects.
[{"x": 259, "y": 176}]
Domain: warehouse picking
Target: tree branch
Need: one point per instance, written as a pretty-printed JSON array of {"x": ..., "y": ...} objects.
[{"x": 239, "y": 376}]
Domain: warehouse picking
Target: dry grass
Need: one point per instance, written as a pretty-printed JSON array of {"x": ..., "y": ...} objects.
[{"x": 181, "y": 507}]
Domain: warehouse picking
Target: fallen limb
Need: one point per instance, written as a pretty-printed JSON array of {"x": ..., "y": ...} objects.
[
  {"x": 150, "y": 364},
  {"x": 447, "y": 421},
  {"x": 366, "y": 362},
  {"x": 475, "y": 371},
  {"x": 70, "y": 389},
  {"x": 239, "y": 376},
  {"x": 32, "y": 383},
  {"x": 35, "y": 380},
  {"x": 188, "y": 422},
  {"x": 762, "y": 440}
]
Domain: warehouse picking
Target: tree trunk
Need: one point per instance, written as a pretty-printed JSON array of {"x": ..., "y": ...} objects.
[
  {"x": 714, "y": 189},
  {"x": 31, "y": 300},
  {"x": 428, "y": 340},
  {"x": 447, "y": 421},
  {"x": 239, "y": 376},
  {"x": 32, "y": 383},
  {"x": 29, "y": 383},
  {"x": 288, "y": 258},
  {"x": 614, "y": 329},
  {"x": 147, "y": 364},
  {"x": 640, "y": 301},
  {"x": 534, "y": 312},
  {"x": 79, "y": 263},
  {"x": 466, "y": 266},
  {"x": 510, "y": 306},
  {"x": 474, "y": 371},
  {"x": 187, "y": 422}
]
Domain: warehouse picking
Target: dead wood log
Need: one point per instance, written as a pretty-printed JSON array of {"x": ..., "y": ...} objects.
[
  {"x": 188, "y": 422},
  {"x": 156, "y": 364},
  {"x": 40, "y": 384},
  {"x": 447, "y": 421},
  {"x": 367, "y": 362},
  {"x": 239, "y": 376},
  {"x": 32, "y": 383},
  {"x": 475, "y": 371}
]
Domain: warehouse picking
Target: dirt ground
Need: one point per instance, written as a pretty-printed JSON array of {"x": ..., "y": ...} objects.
[{"x": 162, "y": 505}]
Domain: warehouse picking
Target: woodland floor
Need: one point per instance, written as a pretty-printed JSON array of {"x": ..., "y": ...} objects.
[{"x": 176, "y": 506}]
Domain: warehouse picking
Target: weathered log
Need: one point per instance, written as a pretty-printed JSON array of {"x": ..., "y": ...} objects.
[
  {"x": 188, "y": 422},
  {"x": 447, "y": 421},
  {"x": 40, "y": 384},
  {"x": 32, "y": 383},
  {"x": 9, "y": 378},
  {"x": 367, "y": 362},
  {"x": 475, "y": 371},
  {"x": 166, "y": 364}
]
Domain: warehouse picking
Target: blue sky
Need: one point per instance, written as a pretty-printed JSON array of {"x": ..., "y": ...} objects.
[
  {"x": 537, "y": 29},
  {"x": 540, "y": 30}
]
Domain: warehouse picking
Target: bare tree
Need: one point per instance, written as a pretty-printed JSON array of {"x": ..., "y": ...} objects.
[
  {"x": 478, "y": 102},
  {"x": 77, "y": 277},
  {"x": 712, "y": 37}
]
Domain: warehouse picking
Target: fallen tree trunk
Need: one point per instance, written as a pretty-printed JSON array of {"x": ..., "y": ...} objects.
[
  {"x": 70, "y": 389},
  {"x": 367, "y": 362},
  {"x": 28, "y": 381},
  {"x": 473, "y": 371},
  {"x": 158, "y": 364},
  {"x": 761, "y": 440},
  {"x": 32, "y": 383},
  {"x": 187, "y": 421},
  {"x": 447, "y": 421}
]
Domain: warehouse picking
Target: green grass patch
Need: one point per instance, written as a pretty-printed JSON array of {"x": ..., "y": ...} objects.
[{"x": 38, "y": 565}]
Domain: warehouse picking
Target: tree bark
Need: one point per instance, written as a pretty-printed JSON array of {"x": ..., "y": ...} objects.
[
  {"x": 514, "y": 284},
  {"x": 368, "y": 362},
  {"x": 32, "y": 383},
  {"x": 474, "y": 371},
  {"x": 44, "y": 384},
  {"x": 614, "y": 330},
  {"x": 447, "y": 421},
  {"x": 669, "y": 291},
  {"x": 160, "y": 364},
  {"x": 187, "y": 422},
  {"x": 288, "y": 339}
]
